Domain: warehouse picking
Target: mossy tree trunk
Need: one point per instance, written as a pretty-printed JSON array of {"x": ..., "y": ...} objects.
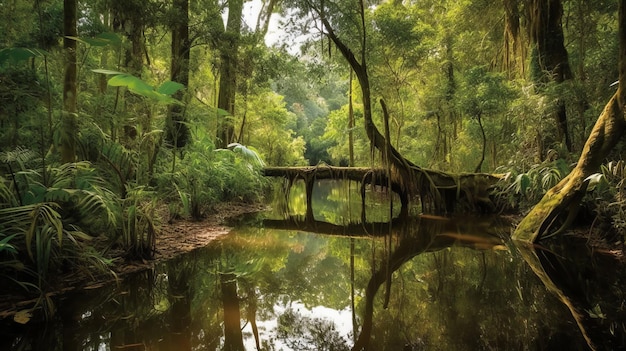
[{"x": 554, "y": 213}]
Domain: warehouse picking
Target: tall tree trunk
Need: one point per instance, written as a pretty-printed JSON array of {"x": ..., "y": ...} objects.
[
  {"x": 449, "y": 117},
  {"x": 557, "y": 209},
  {"x": 129, "y": 19},
  {"x": 177, "y": 131},
  {"x": 249, "y": 65},
  {"x": 69, "y": 123},
  {"x": 513, "y": 48},
  {"x": 351, "y": 122},
  {"x": 228, "y": 72},
  {"x": 550, "y": 55}
]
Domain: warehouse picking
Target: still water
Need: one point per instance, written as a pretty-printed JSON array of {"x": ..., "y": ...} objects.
[{"x": 342, "y": 281}]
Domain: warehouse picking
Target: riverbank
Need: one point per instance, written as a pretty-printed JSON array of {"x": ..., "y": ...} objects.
[
  {"x": 174, "y": 238},
  {"x": 182, "y": 236}
]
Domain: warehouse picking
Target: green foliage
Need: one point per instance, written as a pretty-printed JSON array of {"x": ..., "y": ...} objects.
[
  {"x": 437, "y": 65},
  {"x": 610, "y": 199},
  {"x": 195, "y": 189},
  {"x": 42, "y": 242},
  {"x": 47, "y": 220},
  {"x": 524, "y": 189},
  {"x": 139, "y": 223},
  {"x": 162, "y": 94},
  {"x": 20, "y": 94},
  {"x": 484, "y": 93},
  {"x": 101, "y": 39},
  {"x": 206, "y": 176},
  {"x": 273, "y": 127},
  {"x": 336, "y": 135},
  {"x": 239, "y": 177},
  {"x": 19, "y": 55}
]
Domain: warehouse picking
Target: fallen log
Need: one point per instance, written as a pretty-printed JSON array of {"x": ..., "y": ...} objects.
[{"x": 438, "y": 192}]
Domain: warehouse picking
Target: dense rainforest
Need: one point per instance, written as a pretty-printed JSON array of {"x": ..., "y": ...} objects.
[{"x": 119, "y": 116}]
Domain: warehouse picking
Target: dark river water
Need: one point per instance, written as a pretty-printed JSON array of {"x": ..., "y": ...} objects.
[{"x": 341, "y": 281}]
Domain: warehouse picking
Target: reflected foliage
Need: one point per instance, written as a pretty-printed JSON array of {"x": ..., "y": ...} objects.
[
  {"x": 421, "y": 282},
  {"x": 303, "y": 333}
]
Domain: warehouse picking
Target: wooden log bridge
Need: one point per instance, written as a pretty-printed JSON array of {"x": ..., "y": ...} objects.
[
  {"x": 364, "y": 175},
  {"x": 446, "y": 191}
]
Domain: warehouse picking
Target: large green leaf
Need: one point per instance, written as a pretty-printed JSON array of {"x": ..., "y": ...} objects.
[
  {"x": 5, "y": 246},
  {"x": 110, "y": 38},
  {"x": 102, "y": 39},
  {"x": 16, "y": 55},
  {"x": 139, "y": 87},
  {"x": 170, "y": 88},
  {"x": 134, "y": 84}
]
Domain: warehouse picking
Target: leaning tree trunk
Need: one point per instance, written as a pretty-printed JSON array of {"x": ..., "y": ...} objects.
[
  {"x": 439, "y": 192},
  {"x": 556, "y": 210}
]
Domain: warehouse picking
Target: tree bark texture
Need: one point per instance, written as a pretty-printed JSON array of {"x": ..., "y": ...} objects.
[
  {"x": 514, "y": 54},
  {"x": 177, "y": 131},
  {"x": 129, "y": 18},
  {"x": 228, "y": 73},
  {"x": 69, "y": 124},
  {"x": 554, "y": 213},
  {"x": 550, "y": 59}
]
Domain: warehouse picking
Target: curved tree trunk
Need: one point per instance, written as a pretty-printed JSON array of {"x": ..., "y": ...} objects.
[
  {"x": 554, "y": 213},
  {"x": 439, "y": 192},
  {"x": 484, "y": 148}
]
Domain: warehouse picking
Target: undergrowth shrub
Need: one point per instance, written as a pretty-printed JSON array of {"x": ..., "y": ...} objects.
[
  {"x": 610, "y": 201},
  {"x": 603, "y": 206},
  {"x": 205, "y": 177},
  {"x": 519, "y": 190},
  {"x": 42, "y": 221}
]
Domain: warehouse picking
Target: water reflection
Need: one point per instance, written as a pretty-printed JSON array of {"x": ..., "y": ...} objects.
[
  {"x": 331, "y": 283},
  {"x": 589, "y": 285}
]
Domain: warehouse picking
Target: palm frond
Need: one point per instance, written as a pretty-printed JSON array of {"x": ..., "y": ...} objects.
[{"x": 19, "y": 155}]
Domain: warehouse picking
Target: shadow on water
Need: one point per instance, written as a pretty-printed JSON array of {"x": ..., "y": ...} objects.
[{"x": 334, "y": 283}]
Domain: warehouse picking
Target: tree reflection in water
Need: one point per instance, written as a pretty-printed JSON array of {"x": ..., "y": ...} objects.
[{"x": 454, "y": 285}]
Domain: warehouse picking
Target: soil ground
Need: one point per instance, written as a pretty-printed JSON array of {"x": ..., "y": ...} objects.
[{"x": 182, "y": 236}]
